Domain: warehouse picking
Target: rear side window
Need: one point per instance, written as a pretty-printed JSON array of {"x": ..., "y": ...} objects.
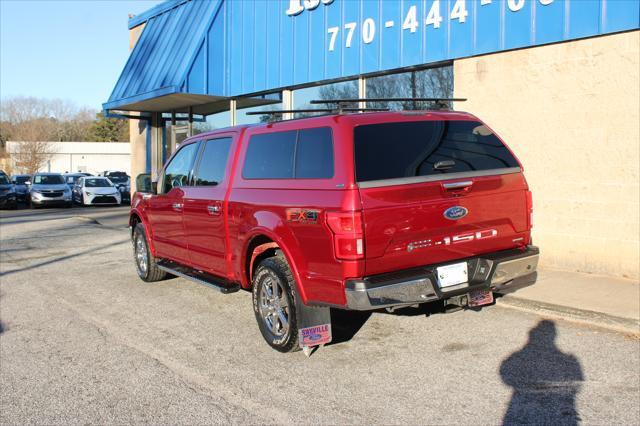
[
  {"x": 270, "y": 156},
  {"x": 427, "y": 148},
  {"x": 213, "y": 162},
  {"x": 314, "y": 154},
  {"x": 302, "y": 154}
]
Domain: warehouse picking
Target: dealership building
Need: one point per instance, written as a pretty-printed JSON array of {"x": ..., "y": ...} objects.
[{"x": 558, "y": 80}]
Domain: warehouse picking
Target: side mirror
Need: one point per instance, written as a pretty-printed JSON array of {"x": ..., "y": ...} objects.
[
  {"x": 28, "y": 183},
  {"x": 144, "y": 184}
]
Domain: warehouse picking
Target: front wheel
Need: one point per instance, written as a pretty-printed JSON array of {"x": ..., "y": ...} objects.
[
  {"x": 146, "y": 264},
  {"x": 274, "y": 305}
]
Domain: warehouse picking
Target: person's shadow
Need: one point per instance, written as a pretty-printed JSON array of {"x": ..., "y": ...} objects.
[{"x": 545, "y": 381}]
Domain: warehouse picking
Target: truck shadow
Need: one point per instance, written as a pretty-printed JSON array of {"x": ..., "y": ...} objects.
[{"x": 346, "y": 324}]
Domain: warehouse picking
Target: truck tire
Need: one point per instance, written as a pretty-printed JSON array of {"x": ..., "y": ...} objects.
[
  {"x": 146, "y": 264},
  {"x": 274, "y": 304}
]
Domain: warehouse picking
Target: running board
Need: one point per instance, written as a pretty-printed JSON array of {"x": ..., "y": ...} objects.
[{"x": 205, "y": 279}]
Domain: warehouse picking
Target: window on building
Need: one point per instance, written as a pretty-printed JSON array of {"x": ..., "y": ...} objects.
[
  {"x": 215, "y": 121},
  {"x": 213, "y": 162},
  {"x": 302, "y": 98},
  {"x": 268, "y": 102},
  {"x": 426, "y": 83}
]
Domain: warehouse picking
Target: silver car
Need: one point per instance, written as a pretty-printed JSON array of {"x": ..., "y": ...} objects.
[{"x": 49, "y": 189}]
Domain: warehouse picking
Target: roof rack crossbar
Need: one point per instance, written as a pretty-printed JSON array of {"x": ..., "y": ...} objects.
[
  {"x": 358, "y": 100},
  {"x": 441, "y": 103},
  {"x": 288, "y": 111},
  {"x": 325, "y": 110}
]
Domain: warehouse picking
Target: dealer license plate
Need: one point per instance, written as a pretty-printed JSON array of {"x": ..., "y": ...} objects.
[
  {"x": 480, "y": 297},
  {"x": 451, "y": 275}
]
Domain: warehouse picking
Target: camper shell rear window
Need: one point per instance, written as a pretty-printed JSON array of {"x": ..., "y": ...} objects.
[{"x": 433, "y": 149}]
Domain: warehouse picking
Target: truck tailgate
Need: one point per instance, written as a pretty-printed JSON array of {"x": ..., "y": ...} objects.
[
  {"x": 436, "y": 190},
  {"x": 406, "y": 226}
]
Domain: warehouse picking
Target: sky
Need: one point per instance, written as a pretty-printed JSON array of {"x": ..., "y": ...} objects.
[{"x": 73, "y": 49}]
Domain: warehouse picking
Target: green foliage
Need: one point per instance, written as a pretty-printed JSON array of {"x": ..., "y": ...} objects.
[{"x": 109, "y": 129}]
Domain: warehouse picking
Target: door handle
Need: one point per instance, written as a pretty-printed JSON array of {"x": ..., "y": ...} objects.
[
  {"x": 177, "y": 207},
  {"x": 214, "y": 210},
  {"x": 457, "y": 185}
]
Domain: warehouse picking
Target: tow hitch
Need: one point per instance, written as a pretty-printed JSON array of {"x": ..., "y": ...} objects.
[{"x": 456, "y": 303}]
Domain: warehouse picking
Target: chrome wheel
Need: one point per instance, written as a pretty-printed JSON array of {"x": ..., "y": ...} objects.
[
  {"x": 141, "y": 255},
  {"x": 274, "y": 307}
]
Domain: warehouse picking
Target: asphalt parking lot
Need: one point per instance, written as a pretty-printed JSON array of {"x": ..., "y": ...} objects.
[{"x": 83, "y": 340}]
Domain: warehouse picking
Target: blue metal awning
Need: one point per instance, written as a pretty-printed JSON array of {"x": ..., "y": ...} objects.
[
  {"x": 154, "y": 78},
  {"x": 199, "y": 53}
]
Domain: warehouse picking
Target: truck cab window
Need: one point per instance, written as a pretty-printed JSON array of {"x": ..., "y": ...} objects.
[
  {"x": 213, "y": 162},
  {"x": 176, "y": 174}
]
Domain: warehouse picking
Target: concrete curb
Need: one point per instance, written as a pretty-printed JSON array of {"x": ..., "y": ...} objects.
[{"x": 579, "y": 316}]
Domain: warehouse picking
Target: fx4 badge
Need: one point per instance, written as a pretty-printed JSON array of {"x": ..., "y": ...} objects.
[
  {"x": 455, "y": 212},
  {"x": 302, "y": 215}
]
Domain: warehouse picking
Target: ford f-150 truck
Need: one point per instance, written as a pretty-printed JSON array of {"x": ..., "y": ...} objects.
[{"x": 351, "y": 211}]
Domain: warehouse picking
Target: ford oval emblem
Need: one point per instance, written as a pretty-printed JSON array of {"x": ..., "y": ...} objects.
[{"x": 455, "y": 212}]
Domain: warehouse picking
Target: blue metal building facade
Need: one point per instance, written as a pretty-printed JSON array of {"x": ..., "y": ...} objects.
[{"x": 219, "y": 49}]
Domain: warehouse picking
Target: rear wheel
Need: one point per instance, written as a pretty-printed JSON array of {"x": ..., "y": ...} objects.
[
  {"x": 274, "y": 305},
  {"x": 146, "y": 264}
]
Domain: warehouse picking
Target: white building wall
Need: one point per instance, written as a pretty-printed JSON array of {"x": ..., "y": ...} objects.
[{"x": 91, "y": 157}]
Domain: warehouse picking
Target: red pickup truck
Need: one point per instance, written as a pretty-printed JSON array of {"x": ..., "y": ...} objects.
[{"x": 352, "y": 211}]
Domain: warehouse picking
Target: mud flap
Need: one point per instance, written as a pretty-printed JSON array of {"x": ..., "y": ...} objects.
[{"x": 314, "y": 326}]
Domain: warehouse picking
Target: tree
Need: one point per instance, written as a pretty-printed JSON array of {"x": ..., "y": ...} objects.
[
  {"x": 109, "y": 129},
  {"x": 30, "y": 157},
  {"x": 37, "y": 119}
]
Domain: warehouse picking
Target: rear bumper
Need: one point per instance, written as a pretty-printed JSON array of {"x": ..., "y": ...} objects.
[{"x": 502, "y": 272}]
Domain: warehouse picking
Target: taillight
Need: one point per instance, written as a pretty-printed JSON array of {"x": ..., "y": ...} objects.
[
  {"x": 347, "y": 234},
  {"x": 530, "y": 208}
]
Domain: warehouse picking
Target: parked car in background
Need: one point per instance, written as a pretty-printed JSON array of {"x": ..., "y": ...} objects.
[
  {"x": 48, "y": 189},
  {"x": 22, "y": 189},
  {"x": 93, "y": 190},
  {"x": 122, "y": 182},
  {"x": 72, "y": 178},
  {"x": 8, "y": 197}
]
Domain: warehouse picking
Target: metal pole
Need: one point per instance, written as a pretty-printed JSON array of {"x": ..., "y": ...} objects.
[
  {"x": 287, "y": 104},
  {"x": 414, "y": 89},
  {"x": 190, "y": 127},
  {"x": 362, "y": 91},
  {"x": 233, "y": 112}
]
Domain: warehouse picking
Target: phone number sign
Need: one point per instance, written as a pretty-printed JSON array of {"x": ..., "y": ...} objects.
[
  {"x": 282, "y": 43},
  {"x": 426, "y": 30}
]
